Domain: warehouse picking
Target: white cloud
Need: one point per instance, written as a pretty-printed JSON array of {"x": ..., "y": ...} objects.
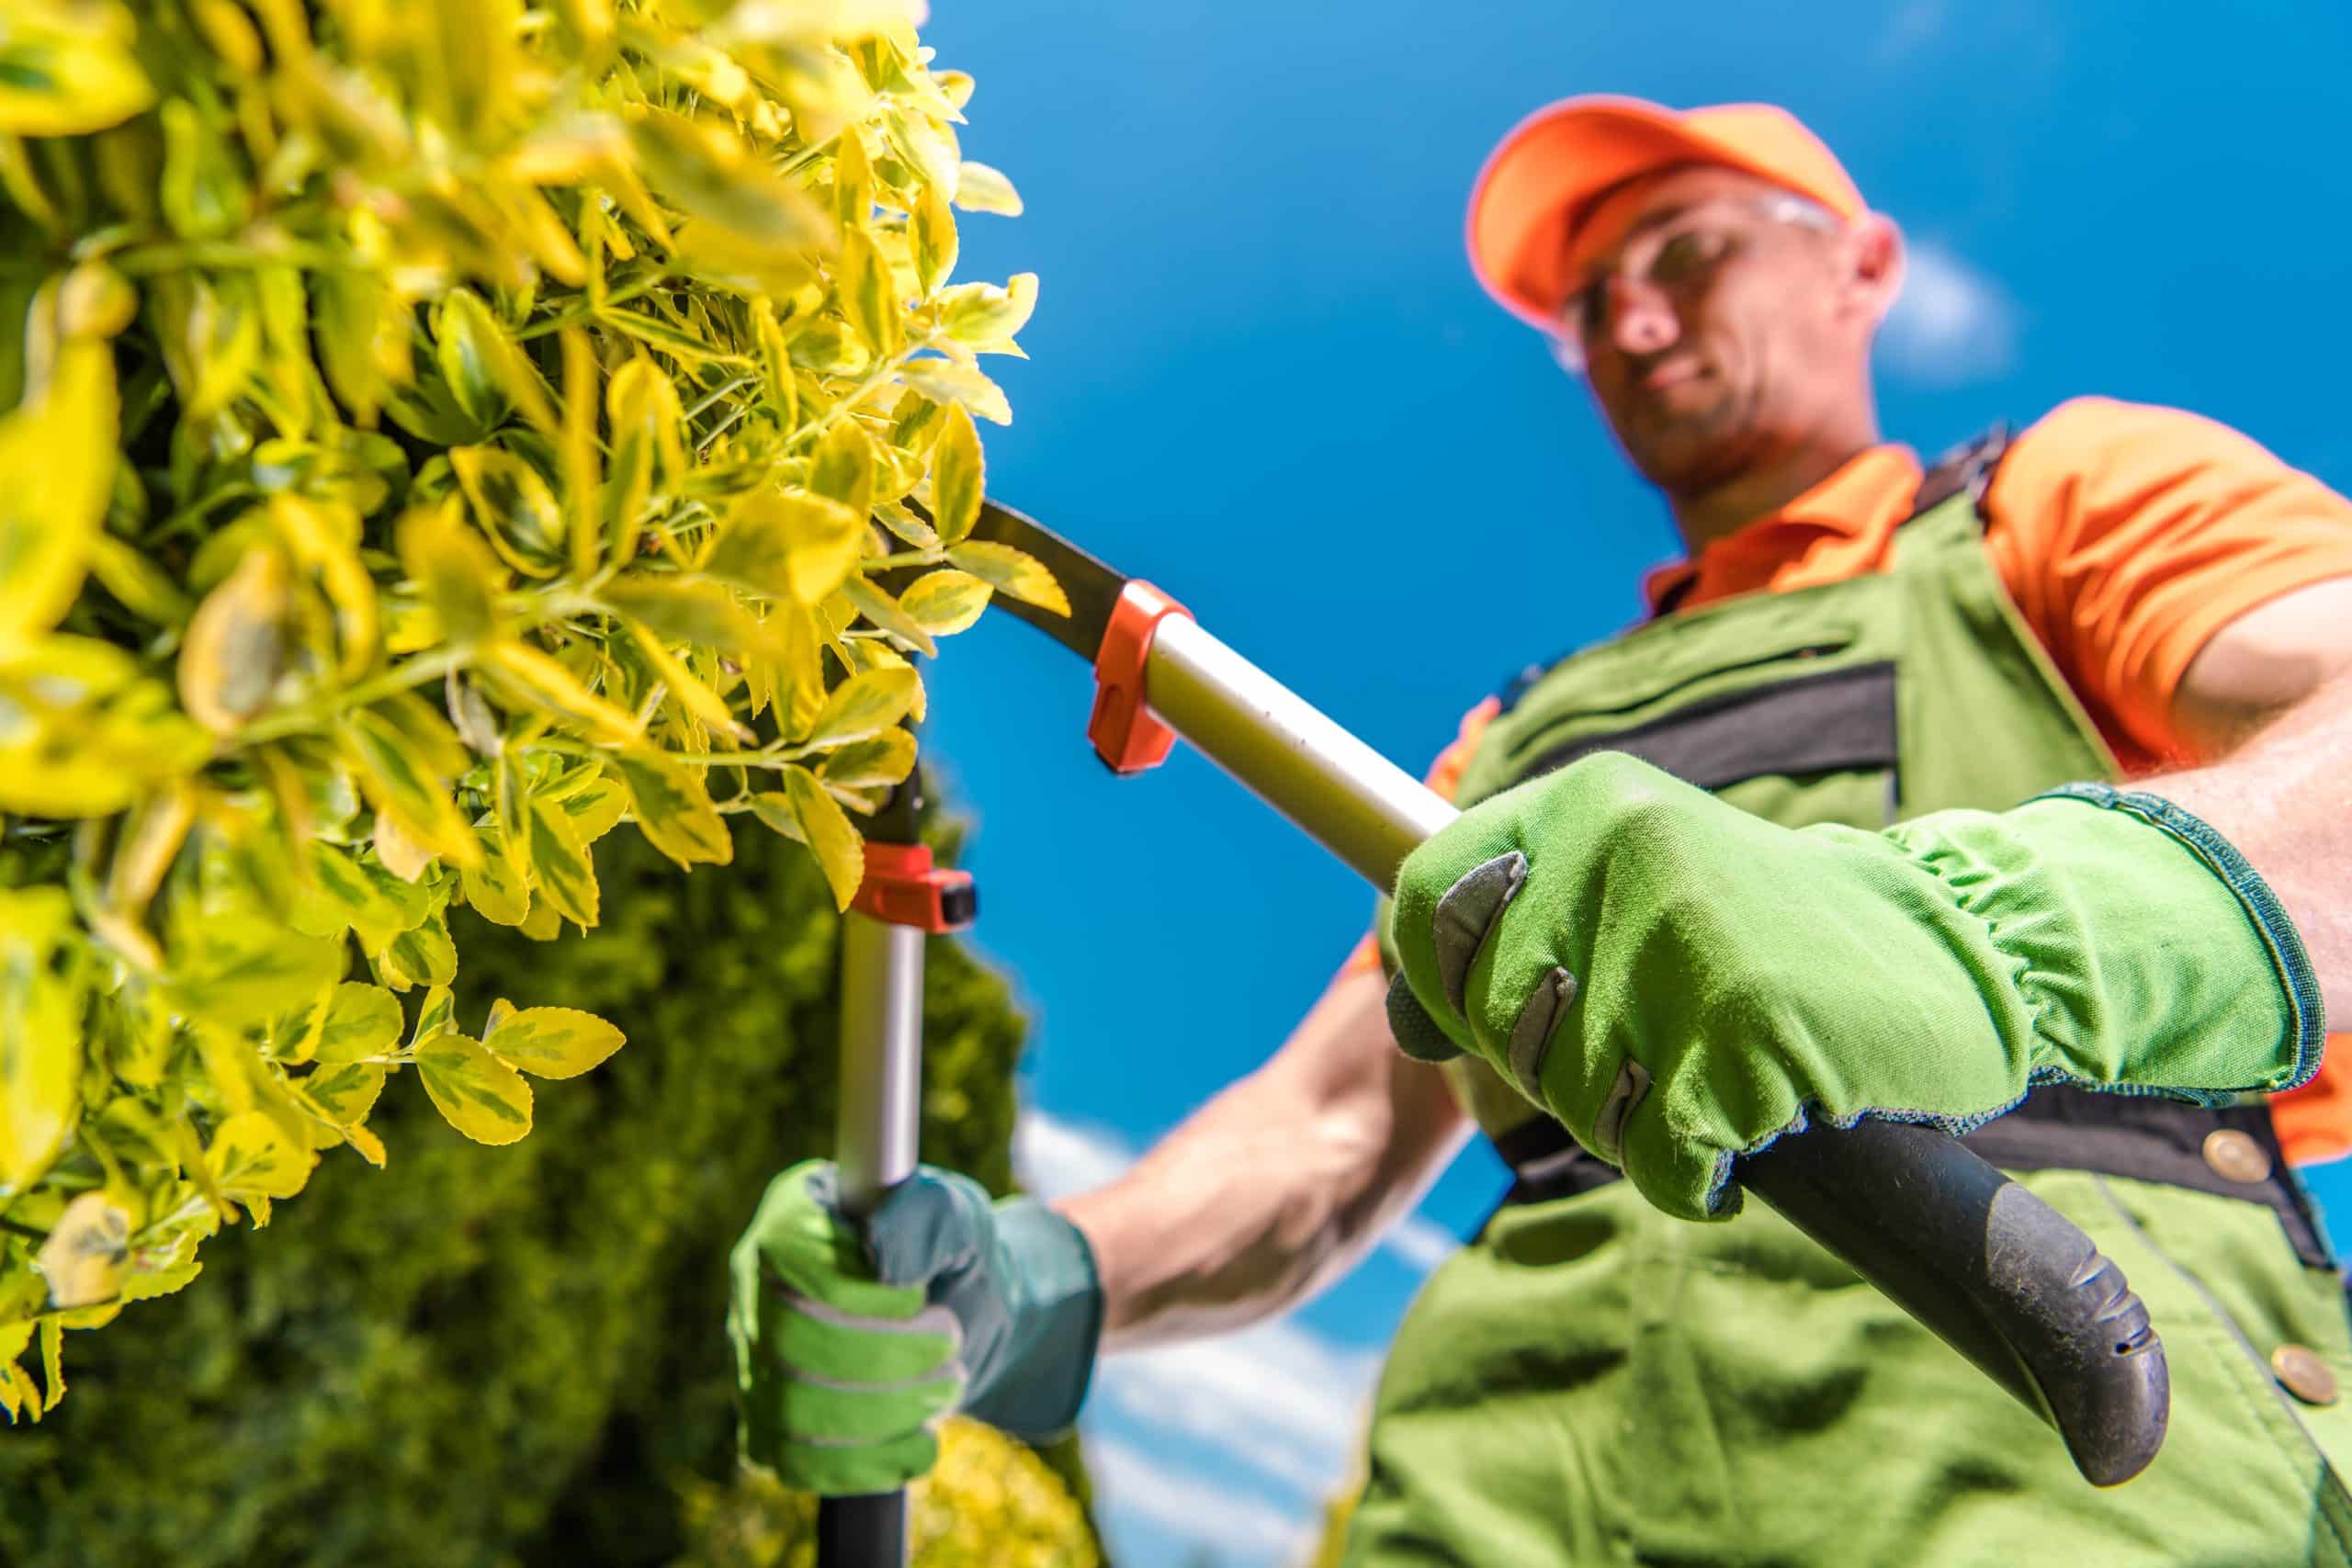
[
  {"x": 1193, "y": 1506},
  {"x": 1420, "y": 1243},
  {"x": 1286, "y": 1402},
  {"x": 1954, "y": 323},
  {"x": 1055, "y": 1157}
]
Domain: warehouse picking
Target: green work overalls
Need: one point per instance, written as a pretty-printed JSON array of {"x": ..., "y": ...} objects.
[{"x": 1591, "y": 1381}]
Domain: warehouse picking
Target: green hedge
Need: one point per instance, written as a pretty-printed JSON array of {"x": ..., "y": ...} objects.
[{"x": 504, "y": 1356}]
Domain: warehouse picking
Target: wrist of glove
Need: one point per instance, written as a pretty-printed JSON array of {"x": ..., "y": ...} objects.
[
  {"x": 1680, "y": 983},
  {"x": 853, "y": 1341}
]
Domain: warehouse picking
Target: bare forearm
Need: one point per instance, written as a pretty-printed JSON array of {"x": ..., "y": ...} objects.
[
  {"x": 2281, "y": 800},
  {"x": 1275, "y": 1187}
]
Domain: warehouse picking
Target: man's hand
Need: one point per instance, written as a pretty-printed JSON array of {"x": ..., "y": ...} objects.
[
  {"x": 852, "y": 1342},
  {"x": 1679, "y": 982}
]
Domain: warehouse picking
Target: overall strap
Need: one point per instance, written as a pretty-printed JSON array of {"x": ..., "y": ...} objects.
[{"x": 1967, "y": 467}]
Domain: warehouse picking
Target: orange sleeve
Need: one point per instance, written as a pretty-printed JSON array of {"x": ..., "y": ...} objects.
[
  {"x": 2130, "y": 535},
  {"x": 1444, "y": 777}
]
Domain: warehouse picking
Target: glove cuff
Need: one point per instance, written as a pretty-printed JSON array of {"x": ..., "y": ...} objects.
[
  {"x": 2159, "y": 895},
  {"x": 1036, "y": 1388}
]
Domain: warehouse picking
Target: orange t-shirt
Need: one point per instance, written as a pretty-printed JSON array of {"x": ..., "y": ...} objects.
[{"x": 2126, "y": 535}]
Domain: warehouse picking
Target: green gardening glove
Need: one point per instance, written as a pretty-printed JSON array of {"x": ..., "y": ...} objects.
[
  {"x": 1680, "y": 983},
  {"x": 853, "y": 1341}
]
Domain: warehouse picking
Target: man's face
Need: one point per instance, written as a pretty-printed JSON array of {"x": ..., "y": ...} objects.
[{"x": 1720, "y": 327}]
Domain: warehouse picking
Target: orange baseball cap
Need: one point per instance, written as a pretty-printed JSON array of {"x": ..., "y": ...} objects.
[{"x": 1545, "y": 173}]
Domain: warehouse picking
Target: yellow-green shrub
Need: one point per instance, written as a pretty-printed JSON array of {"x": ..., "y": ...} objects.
[
  {"x": 990, "y": 1503},
  {"x": 437, "y": 432},
  {"x": 481, "y": 1357}
]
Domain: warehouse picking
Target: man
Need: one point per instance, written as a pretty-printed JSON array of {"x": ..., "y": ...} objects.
[{"x": 1853, "y": 653}]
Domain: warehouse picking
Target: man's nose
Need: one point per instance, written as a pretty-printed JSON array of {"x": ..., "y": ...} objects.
[{"x": 1641, "y": 318}]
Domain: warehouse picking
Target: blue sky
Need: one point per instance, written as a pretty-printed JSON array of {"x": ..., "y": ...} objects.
[{"x": 1261, "y": 376}]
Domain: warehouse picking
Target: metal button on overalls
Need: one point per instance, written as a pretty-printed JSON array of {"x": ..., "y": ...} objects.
[
  {"x": 2234, "y": 1156},
  {"x": 2303, "y": 1374}
]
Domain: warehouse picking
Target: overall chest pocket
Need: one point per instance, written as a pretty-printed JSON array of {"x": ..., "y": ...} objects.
[{"x": 1802, "y": 728}]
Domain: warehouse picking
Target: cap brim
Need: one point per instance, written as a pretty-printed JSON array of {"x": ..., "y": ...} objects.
[{"x": 1551, "y": 167}]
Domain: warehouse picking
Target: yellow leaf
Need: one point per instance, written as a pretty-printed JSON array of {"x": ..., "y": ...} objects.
[
  {"x": 480, "y": 1095},
  {"x": 687, "y": 689},
  {"x": 704, "y": 172},
  {"x": 486, "y": 372},
  {"x": 454, "y": 570},
  {"x": 57, "y": 462},
  {"x": 144, "y": 587},
  {"x": 641, "y": 404},
  {"x": 981, "y": 315},
  {"x": 545, "y": 683},
  {"x": 234, "y": 965},
  {"x": 884, "y": 760},
  {"x": 984, "y": 189},
  {"x": 1011, "y": 571},
  {"x": 841, "y": 467},
  {"x": 52, "y": 1360},
  {"x": 370, "y": 1147},
  {"x": 41, "y": 1033},
  {"x": 87, "y": 1251},
  {"x": 787, "y": 545},
  {"x": 423, "y": 956},
  {"x": 551, "y": 1043},
  {"x": 251, "y": 1157},
  {"x": 868, "y": 297},
  {"x": 362, "y": 1021},
  {"x": 345, "y": 1095},
  {"x": 402, "y": 780},
  {"x": 323, "y": 539},
  {"x": 874, "y": 602},
  {"x": 401, "y": 855},
  {"x": 958, "y": 476},
  {"x": 496, "y": 889},
  {"x": 559, "y": 863},
  {"x": 945, "y": 601},
  {"x": 933, "y": 232},
  {"x": 944, "y": 380},
  {"x": 581, "y": 470},
  {"x": 86, "y": 733},
  {"x": 826, "y": 829},
  {"x": 863, "y": 706},
  {"x": 67, "y": 70},
  {"x": 687, "y": 609},
  {"x": 151, "y": 840},
  {"x": 672, "y": 808},
  {"x": 926, "y": 145},
  {"x": 515, "y": 508},
  {"x": 592, "y": 802},
  {"x": 236, "y": 643},
  {"x": 853, "y": 181}
]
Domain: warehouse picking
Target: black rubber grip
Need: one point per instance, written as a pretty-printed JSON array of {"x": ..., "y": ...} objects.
[
  {"x": 1999, "y": 1275},
  {"x": 869, "y": 1531}
]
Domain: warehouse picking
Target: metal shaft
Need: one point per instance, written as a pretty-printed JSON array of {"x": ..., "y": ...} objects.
[
  {"x": 881, "y": 1058},
  {"x": 874, "y": 1143},
  {"x": 1348, "y": 797}
]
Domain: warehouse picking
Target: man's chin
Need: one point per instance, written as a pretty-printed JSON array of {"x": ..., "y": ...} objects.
[{"x": 1681, "y": 451}]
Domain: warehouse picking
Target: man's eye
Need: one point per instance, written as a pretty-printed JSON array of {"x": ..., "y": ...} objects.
[{"x": 1687, "y": 256}]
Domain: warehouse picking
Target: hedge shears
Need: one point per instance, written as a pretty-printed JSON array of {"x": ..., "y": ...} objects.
[{"x": 1993, "y": 1270}]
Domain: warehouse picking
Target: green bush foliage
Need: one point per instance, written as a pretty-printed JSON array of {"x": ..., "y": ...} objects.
[
  {"x": 502, "y": 1356},
  {"x": 988, "y": 1502},
  {"x": 432, "y": 432}
]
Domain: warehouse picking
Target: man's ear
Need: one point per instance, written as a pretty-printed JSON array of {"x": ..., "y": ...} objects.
[{"x": 1876, "y": 257}]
